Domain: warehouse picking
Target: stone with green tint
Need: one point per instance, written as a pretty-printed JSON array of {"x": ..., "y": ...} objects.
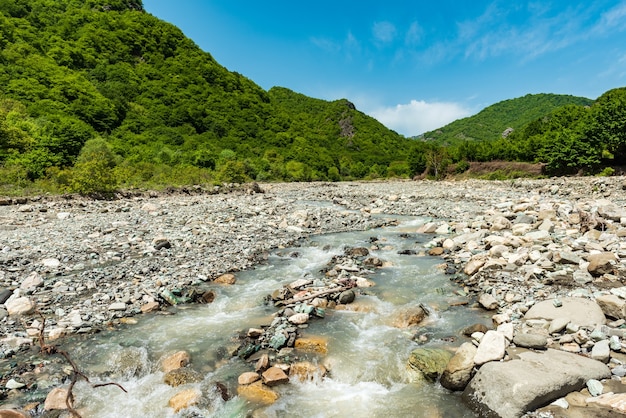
[{"x": 429, "y": 362}]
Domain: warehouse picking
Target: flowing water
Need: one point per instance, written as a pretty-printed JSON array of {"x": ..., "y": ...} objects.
[{"x": 367, "y": 356}]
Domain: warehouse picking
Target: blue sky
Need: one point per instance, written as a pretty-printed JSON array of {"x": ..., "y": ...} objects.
[{"x": 414, "y": 65}]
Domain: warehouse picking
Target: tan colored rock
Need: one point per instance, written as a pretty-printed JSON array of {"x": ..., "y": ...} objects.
[
  {"x": 436, "y": 251},
  {"x": 181, "y": 376},
  {"x": 409, "y": 317},
  {"x": 612, "y": 306},
  {"x": 601, "y": 263},
  {"x": 274, "y": 376},
  {"x": 474, "y": 264},
  {"x": 175, "y": 361},
  {"x": 312, "y": 344},
  {"x": 184, "y": 399},
  {"x": 458, "y": 371},
  {"x": 299, "y": 318},
  {"x": 614, "y": 401},
  {"x": 307, "y": 371},
  {"x": 56, "y": 399},
  {"x": 227, "y": 279},
  {"x": 258, "y": 392},
  {"x": 12, "y": 413},
  {"x": 20, "y": 306},
  {"x": 262, "y": 363},
  {"x": 488, "y": 302},
  {"x": 150, "y": 307},
  {"x": 247, "y": 378}
]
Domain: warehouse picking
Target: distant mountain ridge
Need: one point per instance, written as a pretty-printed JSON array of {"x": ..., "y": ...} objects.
[{"x": 492, "y": 121}]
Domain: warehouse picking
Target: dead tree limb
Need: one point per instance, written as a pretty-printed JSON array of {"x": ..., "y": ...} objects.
[{"x": 50, "y": 349}]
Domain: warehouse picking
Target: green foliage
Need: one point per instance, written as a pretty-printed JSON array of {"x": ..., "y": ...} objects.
[
  {"x": 491, "y": 122},
  {"x": 607, "y": 172},
  {"x": 461, "y": 167},
  {"x": 93, "y": 171}
]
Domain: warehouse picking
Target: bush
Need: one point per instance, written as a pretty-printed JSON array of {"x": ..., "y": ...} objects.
[
  {"x": 607, "y": 172},
  {"x": 462, "y": 167}
]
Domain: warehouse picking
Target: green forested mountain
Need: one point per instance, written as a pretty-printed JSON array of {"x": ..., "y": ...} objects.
[
  {"x": 102, "y": 86},
  {"x": 570, "y": 139},
  {"x": 491, "y": 122}
]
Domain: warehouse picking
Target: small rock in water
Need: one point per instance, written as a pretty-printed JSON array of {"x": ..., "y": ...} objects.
[
  {"x": 299, "y": 318},
  {"x": 184, "y": 399},
  {"x": 175, "y": 361},
  {"x": 56, "y": 399},
  {"x": 346, "y": 297},
  {"x": 14, "y": 384},
  {"x": 274, "y": 376}
]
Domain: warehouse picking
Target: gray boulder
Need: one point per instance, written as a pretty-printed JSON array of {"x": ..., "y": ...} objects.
[
  {"x": 509, "y": 389},
  {"x": 582, "y": 312}
]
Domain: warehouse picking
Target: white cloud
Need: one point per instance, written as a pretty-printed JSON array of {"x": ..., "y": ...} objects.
[
  {"x": 419, "y": 116},
  {"x": 384, "y": 31}
]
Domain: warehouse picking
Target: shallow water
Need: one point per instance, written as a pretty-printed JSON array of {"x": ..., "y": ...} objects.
[{"x": 366, "y": 355}]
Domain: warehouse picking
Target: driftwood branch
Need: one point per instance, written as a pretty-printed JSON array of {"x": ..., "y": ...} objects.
[{"x": 50, "y": 349}]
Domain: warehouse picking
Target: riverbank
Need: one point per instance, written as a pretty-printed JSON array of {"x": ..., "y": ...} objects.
[{"x": 87, "y": 265}]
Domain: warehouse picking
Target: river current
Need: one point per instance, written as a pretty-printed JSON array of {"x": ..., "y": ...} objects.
[{"x": 367, "y": 355}]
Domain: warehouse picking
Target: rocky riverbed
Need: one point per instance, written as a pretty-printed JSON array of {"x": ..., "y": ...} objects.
[{"x": 546, "y": 256}]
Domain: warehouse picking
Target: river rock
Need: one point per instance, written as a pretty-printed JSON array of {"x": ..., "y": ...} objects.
[
  {"x": 274, "y": 376},
  {"x": 117, "y": 306},
  {"x": 181, "y": 376},
  {"x": 458, "y": 371},
  {"x": 488, "y": 302},
  {"x": 408, "y": 317},
  {"x": 475, "y": 264},
  {"x": 5, "y": 294},
  {"x": 20, "y": 306},
  {"x": 175, "y": 361},
  {"x": 247, "y": 378},
  {"x": 612, "y": 306},
  {"x": 468, "y": 331},
  {"x": 429, "y": 363},
  {"x": 491, "y": 348},
  {"x": 56, "y": 399},
  {"x": 306, "y": 371},
  {"x": 312, "y": 344},
  {"x": 184, "y": 399},
  {"x": 601, "y": 351},
  {"x": 509, "y": 389},
  {"x": 601, "y": 263},
  {"x": 616, "y": 402},
  {"x": 258, "y": 392},
  {"x": 32, "y": 281},
  {"x": 12, "y": 413},
  {"x": 531, "y": 340},
  {"x": 150, "y": 307},
  {"x": 583, "y": 312},
  {"x": 227, "y": 279},
  {"x": 299, "y": 318},
  {"x": 346, "y": 297},
  {"x": 557, "y": 325}
]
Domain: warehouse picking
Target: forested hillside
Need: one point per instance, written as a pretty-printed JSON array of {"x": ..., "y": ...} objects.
[
  {"x": 570, "y": 139},
  {"x": 491, "y": 122},
  {"x": 101, "y": 92}
]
